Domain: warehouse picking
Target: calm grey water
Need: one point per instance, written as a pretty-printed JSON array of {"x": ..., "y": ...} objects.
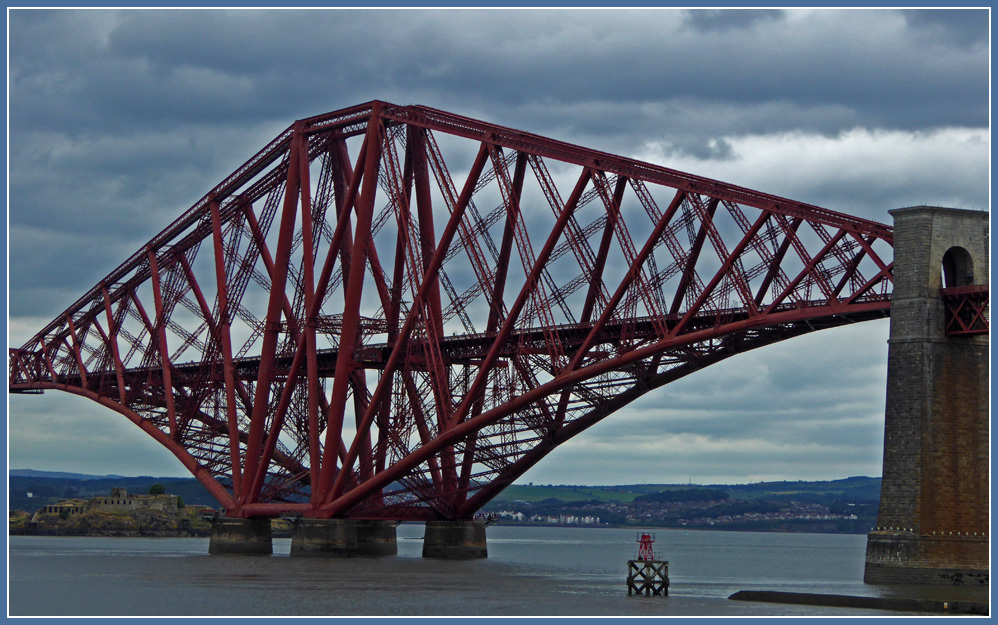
[{"x": 543, "y": 571}]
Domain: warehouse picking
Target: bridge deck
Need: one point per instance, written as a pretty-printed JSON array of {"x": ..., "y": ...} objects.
[{"x": 469, "y": 349}]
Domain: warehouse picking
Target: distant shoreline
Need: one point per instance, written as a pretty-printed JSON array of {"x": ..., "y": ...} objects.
[
  {"x": 114, "y": 534},
  {"x": 845, "y": 506},
  {"x": 285, "y": 532}
]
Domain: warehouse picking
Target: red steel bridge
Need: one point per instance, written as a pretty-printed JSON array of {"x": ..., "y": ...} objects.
[{"x": 392, "y": 312}]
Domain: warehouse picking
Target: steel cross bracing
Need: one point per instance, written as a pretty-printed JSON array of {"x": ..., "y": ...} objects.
[
  {"x": 965, "y": 310},
  {"x": 394, "y": 312}
]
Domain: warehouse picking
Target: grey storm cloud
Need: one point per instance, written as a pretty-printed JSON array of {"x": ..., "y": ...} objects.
[
  {"x": 155, "y": 68},
  {"x": 120, "y": 120},
  {"x": 958, "y": 28}
]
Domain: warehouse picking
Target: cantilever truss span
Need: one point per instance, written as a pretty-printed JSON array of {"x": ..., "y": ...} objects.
[{"x": 394, "y": 312}]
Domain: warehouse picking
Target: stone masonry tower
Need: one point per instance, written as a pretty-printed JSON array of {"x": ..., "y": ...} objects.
[{"x": 933, "y": 522}]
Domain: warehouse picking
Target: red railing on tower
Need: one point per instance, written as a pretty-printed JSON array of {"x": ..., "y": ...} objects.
[
  {"x": 393, "y": 311},
  {"x": 645, "y": 550},
  {"x": 966, "y": 309}
]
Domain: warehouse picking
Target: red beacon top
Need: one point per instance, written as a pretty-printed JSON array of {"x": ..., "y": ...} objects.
[{"x": 645, "y": 541}]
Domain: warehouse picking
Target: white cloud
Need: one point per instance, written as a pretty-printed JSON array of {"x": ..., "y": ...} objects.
[{"x": 860, "y": 168}]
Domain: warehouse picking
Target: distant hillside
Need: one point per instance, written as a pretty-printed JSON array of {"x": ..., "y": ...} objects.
[
  {"x": 858, "y": 489},
  {"x": 50, "y": 487},
  {"x": 48, "y": 490},
  {"x": 56, "y": 474},
  {"x": 851, "y": 489},
  {"x": 840, "y": 506}
]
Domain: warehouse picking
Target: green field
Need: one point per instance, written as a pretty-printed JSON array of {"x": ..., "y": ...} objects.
[{"x": 534, "y": 494}]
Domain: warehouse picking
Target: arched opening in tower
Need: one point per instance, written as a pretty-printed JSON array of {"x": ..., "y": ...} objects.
[{"x": 958, "y": 267}]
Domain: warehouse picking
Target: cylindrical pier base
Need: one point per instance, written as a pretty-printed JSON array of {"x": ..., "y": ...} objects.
[
  {"x": 324, "y": 537},
  {"x": 455, "y": 540},
  {"x": 376, "y": 538},
  {"x": 343, "y": 538},
  {"x": 240, "y": 537}
]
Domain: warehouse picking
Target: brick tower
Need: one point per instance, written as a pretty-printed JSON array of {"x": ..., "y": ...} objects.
[{"x": 932, "y": 527}]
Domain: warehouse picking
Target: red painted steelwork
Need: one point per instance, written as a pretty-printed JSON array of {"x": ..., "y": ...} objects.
[
  {"x": 645, "y": 551},
  {"x": 966, "y": 310},
  {"x": 403, "y": 335}
]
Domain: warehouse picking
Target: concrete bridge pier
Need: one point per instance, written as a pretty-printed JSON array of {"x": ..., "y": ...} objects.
[
  {"x": 455, "y": 540},
  {"x": 932, "y": 527},
  {"x": 324, "y": 538},
  {"x": 231, "y": 536},
  {"x": 376, "y": 538},
  {"x": 343, "y": 538}
]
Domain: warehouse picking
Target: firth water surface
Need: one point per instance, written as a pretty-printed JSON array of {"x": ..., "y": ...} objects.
[{"x": 543, "y": 571}]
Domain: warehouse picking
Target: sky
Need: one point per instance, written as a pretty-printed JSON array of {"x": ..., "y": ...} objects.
[{"x": 118, "y": 121}]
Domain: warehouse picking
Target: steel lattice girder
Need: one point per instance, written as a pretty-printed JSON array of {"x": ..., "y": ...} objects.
[
  {"x": 403, "y": 332},
  {"x": 966, "y": 309}
]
